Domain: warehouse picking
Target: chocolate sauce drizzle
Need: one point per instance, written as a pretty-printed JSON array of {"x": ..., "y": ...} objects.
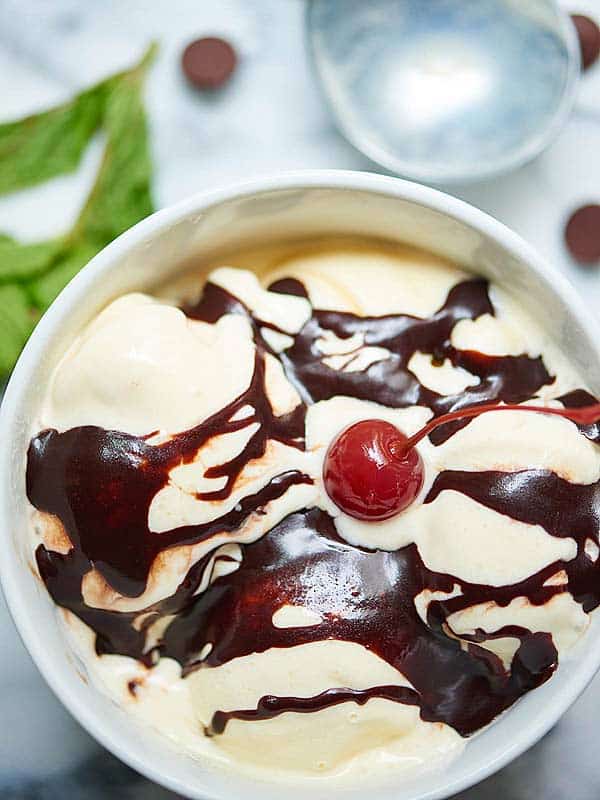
[
  {"x": 511, "y": 379},
  {"x": 100, "y": 484},
  {"x": 271, "y": 706},
  {"x": 539, "y": 497},
  {"x": 362, "y": 596}
]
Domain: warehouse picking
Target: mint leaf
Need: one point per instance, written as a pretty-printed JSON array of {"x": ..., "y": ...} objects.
[
  {"x": 51, "y": 143},
  {"x": 44, "y": 145},
  {"x": 17, "y": 320},
  {"x": 121, "y": 195},
  {"x": 20, "y": 262},
  {"x": 31, "y": 275},
  {"x": 67, "y": 264}
]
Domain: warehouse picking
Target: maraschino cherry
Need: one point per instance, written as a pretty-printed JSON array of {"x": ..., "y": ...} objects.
[
  {"x": 372, "y": 471},
  {"x": 365, "y": 474}
]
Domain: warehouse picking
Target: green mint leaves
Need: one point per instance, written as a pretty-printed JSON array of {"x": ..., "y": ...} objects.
[
  {"x": 39, "y": 147},
  {"x": 16, "y": 323},
  {"x": 51, "y": 143}
]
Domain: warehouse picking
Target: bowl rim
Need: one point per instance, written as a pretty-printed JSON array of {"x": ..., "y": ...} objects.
[
  {"x": 518, "y": 157},
  {"x": 104, "y": 262}
]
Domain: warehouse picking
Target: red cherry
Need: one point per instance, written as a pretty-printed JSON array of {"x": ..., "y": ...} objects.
[
  {"x": 373, "y": 471},
  {"x": 368, "y": 472}
]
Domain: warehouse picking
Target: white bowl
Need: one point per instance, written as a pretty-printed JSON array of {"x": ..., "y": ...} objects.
[{"x": 282, "y": 206}]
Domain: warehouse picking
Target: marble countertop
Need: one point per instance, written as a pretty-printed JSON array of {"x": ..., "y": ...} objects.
[{"x": 271, "y": 117}]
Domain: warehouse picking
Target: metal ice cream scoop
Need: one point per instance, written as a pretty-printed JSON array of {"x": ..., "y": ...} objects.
[{"x": 446, "y": 91}]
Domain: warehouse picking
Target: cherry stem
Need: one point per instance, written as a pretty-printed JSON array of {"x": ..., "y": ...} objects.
[{"x": 585, "y": 415}]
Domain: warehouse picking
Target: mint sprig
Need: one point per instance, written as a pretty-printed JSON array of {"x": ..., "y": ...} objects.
[{"x": 51, "y": 143}]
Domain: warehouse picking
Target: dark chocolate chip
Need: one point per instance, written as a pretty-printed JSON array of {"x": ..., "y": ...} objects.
[
  {"x": 208, "y": 63},
  {"x": 582, "y": 234},
  {"x": 288, "y": 286},
  {"x": 589, "y": 39}
]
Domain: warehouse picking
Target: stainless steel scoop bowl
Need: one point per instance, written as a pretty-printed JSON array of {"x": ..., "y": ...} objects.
[{"x": 446, "y": 91}]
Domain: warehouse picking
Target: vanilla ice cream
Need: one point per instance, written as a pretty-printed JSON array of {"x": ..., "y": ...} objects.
[{"x": 212, "y": 587}]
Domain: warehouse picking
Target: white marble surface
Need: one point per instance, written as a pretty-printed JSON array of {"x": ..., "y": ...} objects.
[{"x": 270, "y": 117}]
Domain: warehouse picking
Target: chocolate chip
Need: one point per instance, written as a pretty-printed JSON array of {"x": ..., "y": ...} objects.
[
  {"x": 582, "y": 234},
  {"x": 589, "y": 39},
  {"x": 208, "y": 63},
  {"x": 289, "y": 286}
]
